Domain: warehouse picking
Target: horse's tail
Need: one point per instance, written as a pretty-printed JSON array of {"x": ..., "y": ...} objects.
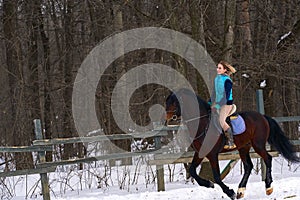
[{"x": 282, "y": 144}]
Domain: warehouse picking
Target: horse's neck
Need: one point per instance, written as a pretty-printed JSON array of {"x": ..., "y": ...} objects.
[{"x": 198, "y": 125}]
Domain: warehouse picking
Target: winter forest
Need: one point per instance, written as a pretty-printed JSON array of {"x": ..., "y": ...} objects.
[{"x": 44, "y": 42}]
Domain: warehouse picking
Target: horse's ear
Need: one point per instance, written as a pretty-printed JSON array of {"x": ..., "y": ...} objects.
[{"x": 169, "y": 96}]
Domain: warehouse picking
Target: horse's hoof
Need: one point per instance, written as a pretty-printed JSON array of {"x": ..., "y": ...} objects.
[
  {"x": 240, "y": 192},
  {"x": 269, "y": 190},
  {"x": 231, "y": 194},
  {"x": 211, "y": 185},
  {"x": 232, "y": 197}
]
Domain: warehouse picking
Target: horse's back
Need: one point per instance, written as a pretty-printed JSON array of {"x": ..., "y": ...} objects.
[
  {"x": 256, "y": 123},
  {"x": 252, "y": 116}
]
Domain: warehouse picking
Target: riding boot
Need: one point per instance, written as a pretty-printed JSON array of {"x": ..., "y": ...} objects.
[{"x": 230, "y": 144}]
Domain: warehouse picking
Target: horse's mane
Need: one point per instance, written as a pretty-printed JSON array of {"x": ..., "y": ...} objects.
[
  {"x": 201, "y": 102},
  {"x": 204, "y": 103}
]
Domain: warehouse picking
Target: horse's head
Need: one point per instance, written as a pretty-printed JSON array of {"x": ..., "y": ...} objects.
[
  {"x": 183, "y": 105},
  {"x": 173, "y": 110}
]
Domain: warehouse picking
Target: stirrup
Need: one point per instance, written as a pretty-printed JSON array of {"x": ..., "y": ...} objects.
[{"x": 229, "y": 146}]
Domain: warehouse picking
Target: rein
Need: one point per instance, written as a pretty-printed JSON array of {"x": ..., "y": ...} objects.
[
  {"x": 195, "y": 118},
  {"x": 200, "y": 135}
]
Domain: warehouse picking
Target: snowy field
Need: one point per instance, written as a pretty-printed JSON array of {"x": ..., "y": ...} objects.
[{"x": 137, "y": 182}]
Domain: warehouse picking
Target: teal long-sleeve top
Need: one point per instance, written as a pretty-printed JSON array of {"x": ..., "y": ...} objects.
[{"x": 222, "y": 91}]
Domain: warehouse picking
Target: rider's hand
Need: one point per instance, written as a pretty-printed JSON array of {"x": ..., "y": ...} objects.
[{"x": 215, "y": 108}]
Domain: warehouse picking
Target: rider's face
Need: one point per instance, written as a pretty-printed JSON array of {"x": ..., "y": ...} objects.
[{"x": 221, "y": 69}]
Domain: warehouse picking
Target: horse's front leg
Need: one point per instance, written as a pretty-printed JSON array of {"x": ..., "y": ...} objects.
[
  {"x": 195, "y": 163},
  {"x": 214, "y": 162}
]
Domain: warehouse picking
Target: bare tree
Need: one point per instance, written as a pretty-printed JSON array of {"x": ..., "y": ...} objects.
[{"x": 229, "y": 25}]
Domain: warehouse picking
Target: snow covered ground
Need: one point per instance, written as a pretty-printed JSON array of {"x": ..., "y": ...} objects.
[{"x": 137, "y": 182}]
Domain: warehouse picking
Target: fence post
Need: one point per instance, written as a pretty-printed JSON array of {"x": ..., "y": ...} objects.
[
  {"x": 159, "y": 168},
  {"x": 261, "y": 109},
  {"x": 42, "y": 158}
]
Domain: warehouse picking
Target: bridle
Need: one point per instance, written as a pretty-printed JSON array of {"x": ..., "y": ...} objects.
[
  {"x": 174, "y": 116},
  {"x": 174, "y": 119}
]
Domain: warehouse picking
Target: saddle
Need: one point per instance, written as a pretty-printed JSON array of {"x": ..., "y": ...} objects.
[
  {"x": 233, "y": 110},
  {"x": 235, "y": 121}
]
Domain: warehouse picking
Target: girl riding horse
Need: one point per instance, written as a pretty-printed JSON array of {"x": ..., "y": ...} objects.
[{"x": 195, "y": 113}]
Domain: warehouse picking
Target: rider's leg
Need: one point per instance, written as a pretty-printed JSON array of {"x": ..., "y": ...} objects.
[
  {"x": 230, "y": 144},
  {"x": 224, "y": 111}
]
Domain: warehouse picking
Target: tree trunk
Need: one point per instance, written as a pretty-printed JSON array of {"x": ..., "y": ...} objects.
[
  {"x": 244, "y": 53},
  {"x": 23, "y": 101},
  {"x": 244, "y": 37},
  {"x": 229, "y": 25},
  {"x": 11, "y": 46},
  {"x": 120, "y": 70},
  {"x": 197, "y": 26},
  {"x": 11, "y": 63},
  {"x": 172, "y": 10},
  {"x": 45, "y": 81},
  {"x": 68, "y": 77}
]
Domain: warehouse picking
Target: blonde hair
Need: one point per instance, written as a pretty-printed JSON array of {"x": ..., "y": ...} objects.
[{"x": 226, "y": 65}]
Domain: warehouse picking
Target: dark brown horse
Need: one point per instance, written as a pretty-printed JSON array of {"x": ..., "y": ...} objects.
[{"x": 260, "y": 129}]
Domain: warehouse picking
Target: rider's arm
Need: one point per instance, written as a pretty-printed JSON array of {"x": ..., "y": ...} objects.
[{"x": 228, "y": 91}]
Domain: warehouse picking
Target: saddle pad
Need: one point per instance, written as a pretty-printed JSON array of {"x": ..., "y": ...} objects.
[{"x": 238, "y": 124}]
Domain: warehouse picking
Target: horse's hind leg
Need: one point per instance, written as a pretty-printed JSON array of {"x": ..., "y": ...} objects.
[
  {"x": 268, "y": 161},
  {"x": 248, "y": 166},
  {"x": 195, "y": 163}
]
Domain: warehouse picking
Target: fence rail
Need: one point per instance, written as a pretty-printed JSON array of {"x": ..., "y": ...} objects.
[
  {"x": 287, "y": 119},
  {"x": 25, "y": 149},
  {"x": 186, "y": 157},
  {"x": 99, "y": 138}
]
